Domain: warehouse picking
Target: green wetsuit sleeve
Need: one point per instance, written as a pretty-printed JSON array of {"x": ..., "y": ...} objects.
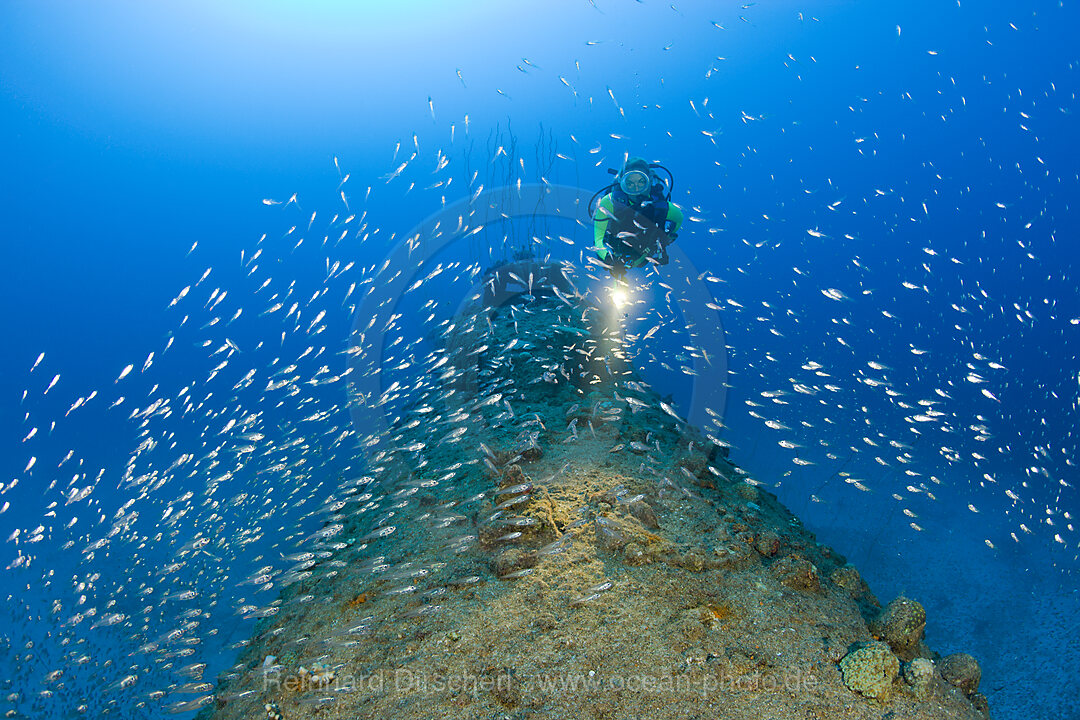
[
  {"x": 605, "y": 210},
  {"x": 675, "y": 216}
]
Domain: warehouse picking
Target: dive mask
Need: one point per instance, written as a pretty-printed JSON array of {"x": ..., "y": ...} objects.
[{"x": 634, "y": 182}]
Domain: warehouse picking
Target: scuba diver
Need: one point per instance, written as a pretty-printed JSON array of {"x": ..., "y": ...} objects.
[{"x": 635, "y": 220}]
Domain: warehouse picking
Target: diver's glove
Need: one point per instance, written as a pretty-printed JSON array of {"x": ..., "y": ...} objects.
[
  {"x": 618, "y": 270},
  {"x": 672, "y": 237}
]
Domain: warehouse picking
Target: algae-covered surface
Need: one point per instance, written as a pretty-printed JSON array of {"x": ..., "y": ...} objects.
[{"x": 545, "y": 537}]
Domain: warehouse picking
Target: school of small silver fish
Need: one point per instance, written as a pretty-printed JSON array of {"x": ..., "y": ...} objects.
[{"x": 863, "y": 369}]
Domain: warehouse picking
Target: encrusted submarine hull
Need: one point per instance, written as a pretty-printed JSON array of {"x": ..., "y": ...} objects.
[{"x": 549, "y": 542}]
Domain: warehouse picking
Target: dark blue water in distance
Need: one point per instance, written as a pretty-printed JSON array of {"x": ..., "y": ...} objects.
[{"x": 885, "y": 192}]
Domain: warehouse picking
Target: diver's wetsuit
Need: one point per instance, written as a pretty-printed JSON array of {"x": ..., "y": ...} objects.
[{"x": 634, "y": 229}]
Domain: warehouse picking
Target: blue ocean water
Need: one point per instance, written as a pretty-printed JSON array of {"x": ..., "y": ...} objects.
[{"x": 883, "y": 191}]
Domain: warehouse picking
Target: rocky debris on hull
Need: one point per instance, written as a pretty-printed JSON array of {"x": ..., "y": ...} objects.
[
  {"x": 919, "y": 674},
  {"x": 901, "y": 625},
  {"x": 961, "y": 670},
  {"x": 848, "y": 577},
  {"x": 870, "y": 670},
  {"x": 318, "y": 675},
  {"x": 614, "y": 565}
]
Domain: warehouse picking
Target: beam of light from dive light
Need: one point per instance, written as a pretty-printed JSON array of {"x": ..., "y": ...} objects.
[{"x": 620, "y": 296}]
